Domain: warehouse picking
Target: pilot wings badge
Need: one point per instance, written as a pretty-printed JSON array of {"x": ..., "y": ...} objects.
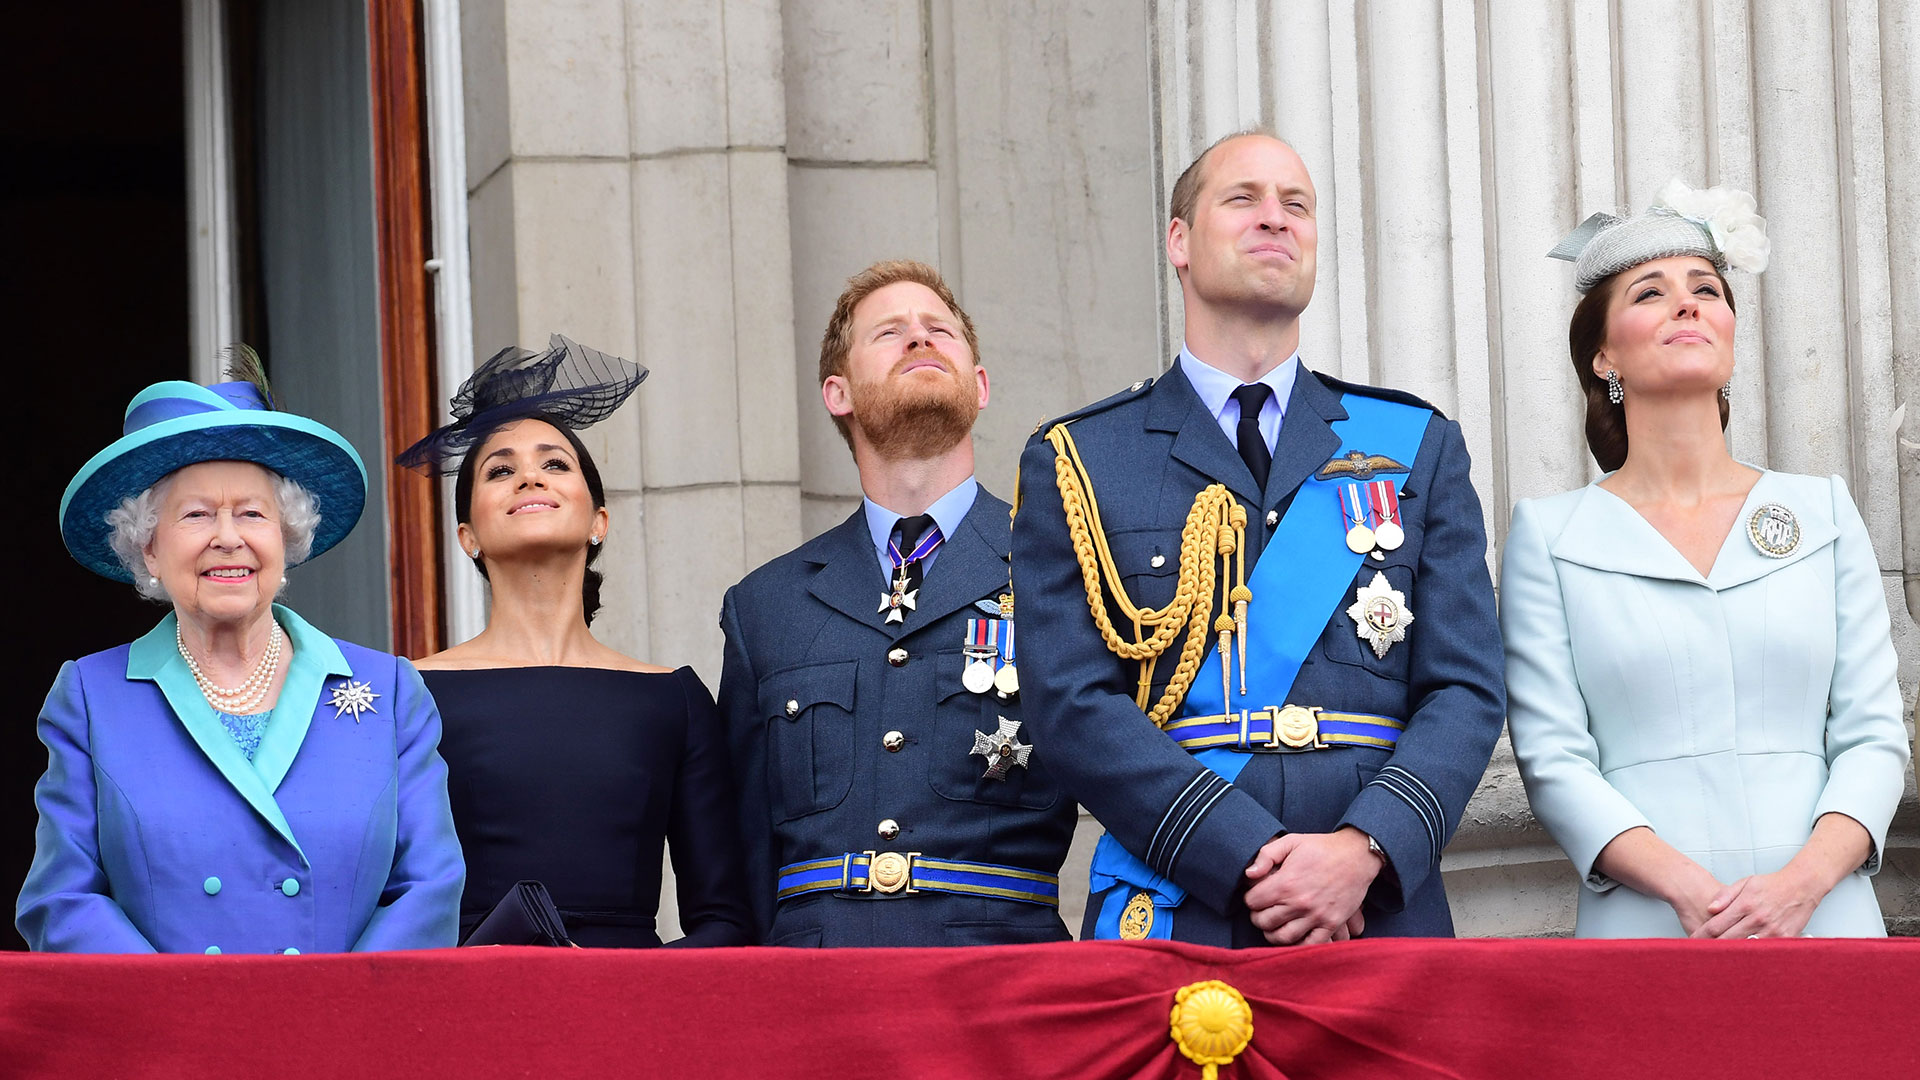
[{"x": 1359, "y": 465}]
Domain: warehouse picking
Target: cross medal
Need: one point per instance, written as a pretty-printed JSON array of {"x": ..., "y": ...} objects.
[{"x": 901, "y": 600}]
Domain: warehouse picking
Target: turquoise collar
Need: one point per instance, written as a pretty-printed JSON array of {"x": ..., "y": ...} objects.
[{"x": 156, "y": 658}]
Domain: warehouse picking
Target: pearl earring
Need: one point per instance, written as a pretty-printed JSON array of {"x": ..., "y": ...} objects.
[
  {"x": 1615, "y": 392},
  {"x": 152, "y": 582}
]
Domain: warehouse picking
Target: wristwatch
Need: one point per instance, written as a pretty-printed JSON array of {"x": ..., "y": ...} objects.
[{"x": 1373, "y": 846}]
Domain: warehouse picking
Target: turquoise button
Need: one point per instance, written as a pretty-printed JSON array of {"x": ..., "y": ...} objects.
[
  {"x": 212, "y": 885},
  {"x": 290, "y": 887},
  {"x": 213, "y": 950},
  {"x": 290, "y": 952}
]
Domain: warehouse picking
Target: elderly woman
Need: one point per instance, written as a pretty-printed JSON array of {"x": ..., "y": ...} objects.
[
  {"x": 1700, "y": 672},
  {"x": 235, "y": 781},
  {"x": 571, "y": 763}
]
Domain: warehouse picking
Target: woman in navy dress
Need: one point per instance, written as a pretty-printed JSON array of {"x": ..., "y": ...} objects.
[{"x": 568, "y": 762}]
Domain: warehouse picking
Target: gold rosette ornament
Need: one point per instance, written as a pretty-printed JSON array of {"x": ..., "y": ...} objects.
[{"x": 1212, "y": 1023}]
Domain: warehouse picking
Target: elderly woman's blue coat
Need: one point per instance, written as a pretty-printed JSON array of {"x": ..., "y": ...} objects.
[{"x": 157, "y": 833}]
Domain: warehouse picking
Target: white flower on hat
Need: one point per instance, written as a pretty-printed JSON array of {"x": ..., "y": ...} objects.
[{"x": 1729, "y": 217}]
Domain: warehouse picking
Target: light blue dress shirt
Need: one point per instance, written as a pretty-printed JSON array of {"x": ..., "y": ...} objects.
[
  {"x": 947, "y": 511},
  {"x": 1216, "y": 388}
]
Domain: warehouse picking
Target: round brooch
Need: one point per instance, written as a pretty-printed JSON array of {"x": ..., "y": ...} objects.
[{"x": 1774, "y": 531}]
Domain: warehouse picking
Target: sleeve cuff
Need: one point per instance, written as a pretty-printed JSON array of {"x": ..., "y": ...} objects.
[
  {"x": 1208, "y": 836},
  {"x": 1404, "y": 816}
]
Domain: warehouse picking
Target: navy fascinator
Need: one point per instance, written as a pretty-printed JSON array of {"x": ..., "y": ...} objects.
[{"x": 569, "y": 384}]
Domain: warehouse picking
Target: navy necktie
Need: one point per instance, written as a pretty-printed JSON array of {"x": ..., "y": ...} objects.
[
  {"x": 911, "y": 531},
  {"x": 1253, "y": 448}
]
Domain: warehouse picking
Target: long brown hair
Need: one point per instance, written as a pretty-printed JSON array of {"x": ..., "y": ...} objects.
[{"x": 1586, "y": 335}]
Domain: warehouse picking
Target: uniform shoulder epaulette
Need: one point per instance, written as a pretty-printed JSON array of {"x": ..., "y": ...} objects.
[
  {"x": 1342, "y": 386},
  {"x": 1129, "y": 394}
]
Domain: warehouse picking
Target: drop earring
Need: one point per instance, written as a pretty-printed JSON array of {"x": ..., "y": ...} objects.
[
  {"x": 1726, "y": 390},
  {"x": 1615, "y": 392}
]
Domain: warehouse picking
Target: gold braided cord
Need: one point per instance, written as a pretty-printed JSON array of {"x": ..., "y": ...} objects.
[{"x": 1215, "y": 529}]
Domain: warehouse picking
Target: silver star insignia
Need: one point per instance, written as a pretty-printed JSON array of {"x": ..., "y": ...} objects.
[
  {"x": 1002, "y": 749},
  {"x": 353, "y": 697}
]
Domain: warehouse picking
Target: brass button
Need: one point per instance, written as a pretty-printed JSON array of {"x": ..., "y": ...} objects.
[
  {"x": 793, "y": 707},
  {"x": 893, "y": 741},
  {"x": 1273, "y": 518},
  {"x": 1157, "y": 561},
  {"x": 897, "y": 657},
  {"x": 889, "y": 829}
]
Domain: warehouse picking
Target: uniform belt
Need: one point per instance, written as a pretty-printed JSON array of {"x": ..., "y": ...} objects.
[
  {"x": 1285, "y": 729},
  {"x": 906, "y": 873}
]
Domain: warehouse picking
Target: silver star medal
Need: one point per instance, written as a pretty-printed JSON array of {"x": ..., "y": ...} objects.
[
  {"x": 353, "y": 697},
  {"x": 900, "y": 601},
  {"x": 1380, "y": 614},
  {"x": 1002, "y": 749}
]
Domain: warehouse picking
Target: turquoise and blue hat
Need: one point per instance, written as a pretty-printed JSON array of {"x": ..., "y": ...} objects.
[{"x": 173, "y": 424}]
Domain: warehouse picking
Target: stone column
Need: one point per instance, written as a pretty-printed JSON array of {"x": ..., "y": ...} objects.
[{"x": 629, "y": 188}]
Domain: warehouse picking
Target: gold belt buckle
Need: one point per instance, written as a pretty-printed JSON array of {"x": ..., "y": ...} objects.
[
  {"x": 890, "y": 872},
  {"x": 1295, "y": 727}
]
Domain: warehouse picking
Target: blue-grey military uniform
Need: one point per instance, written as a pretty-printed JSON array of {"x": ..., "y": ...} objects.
[
  {"x": 852, "y": 740},
  {"x": 1147, "y": 452}
]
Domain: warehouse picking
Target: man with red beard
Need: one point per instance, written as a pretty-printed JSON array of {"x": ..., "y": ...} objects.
[{"x": 888, "y": 792}]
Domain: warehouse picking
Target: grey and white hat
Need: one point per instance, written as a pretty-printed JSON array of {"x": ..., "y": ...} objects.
[{"x": 1717, "y": 224}]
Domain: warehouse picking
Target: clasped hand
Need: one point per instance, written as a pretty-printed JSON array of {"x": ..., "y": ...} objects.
[
  {"x": 1763, "y": 905},
  {"x": 1307, "y": 887}
]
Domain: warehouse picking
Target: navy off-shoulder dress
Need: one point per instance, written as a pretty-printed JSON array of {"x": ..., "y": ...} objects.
[{"x": 576, "y": 777}]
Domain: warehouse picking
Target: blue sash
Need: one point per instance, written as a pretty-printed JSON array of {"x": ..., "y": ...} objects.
[{"x": 1293, "y": 596}]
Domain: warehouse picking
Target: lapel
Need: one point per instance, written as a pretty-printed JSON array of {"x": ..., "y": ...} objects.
[
  {"x": 849, "y": 579},
  {"x": 972, "y": 563},
  {"x": 1306, "y": 441},
  {"x": 1197, "y": 439},
  {"x": 156, "y": 658},
  {"x": 1606, "y": 533},
  {"x": 315, "y": 657}
]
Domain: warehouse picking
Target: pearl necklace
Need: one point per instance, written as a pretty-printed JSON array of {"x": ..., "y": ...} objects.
[{"x": 245, "y": 699}]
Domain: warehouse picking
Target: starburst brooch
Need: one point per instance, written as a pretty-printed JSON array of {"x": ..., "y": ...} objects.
[{"x": 353, "y": 697}]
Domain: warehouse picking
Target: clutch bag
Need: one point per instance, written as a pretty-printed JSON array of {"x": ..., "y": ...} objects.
[{"x": 525, "y": 916}]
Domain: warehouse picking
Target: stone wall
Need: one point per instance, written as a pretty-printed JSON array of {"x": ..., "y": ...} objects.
[{"x": 691, "y": 184}]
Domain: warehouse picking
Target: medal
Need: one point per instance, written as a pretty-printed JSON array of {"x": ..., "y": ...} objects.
[
  {"x": 1354, "y": 515},
  {"x": 1385, "y": 500},
  {"x": 902, "y": 598},
  {"x": 899, "y": 601},
  {"x": 1002, "y": 749},
  {"x": 1007, "y": 679},
  {"x": 1380, "y": 614},
  {"x": 981, "y": 649},
  {"x": 1774, "y": 531}
]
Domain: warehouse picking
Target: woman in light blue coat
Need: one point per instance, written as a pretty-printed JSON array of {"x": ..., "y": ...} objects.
[
  {"x": 235, "y": 781},
  {"x": 1700, "y": 673}
]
